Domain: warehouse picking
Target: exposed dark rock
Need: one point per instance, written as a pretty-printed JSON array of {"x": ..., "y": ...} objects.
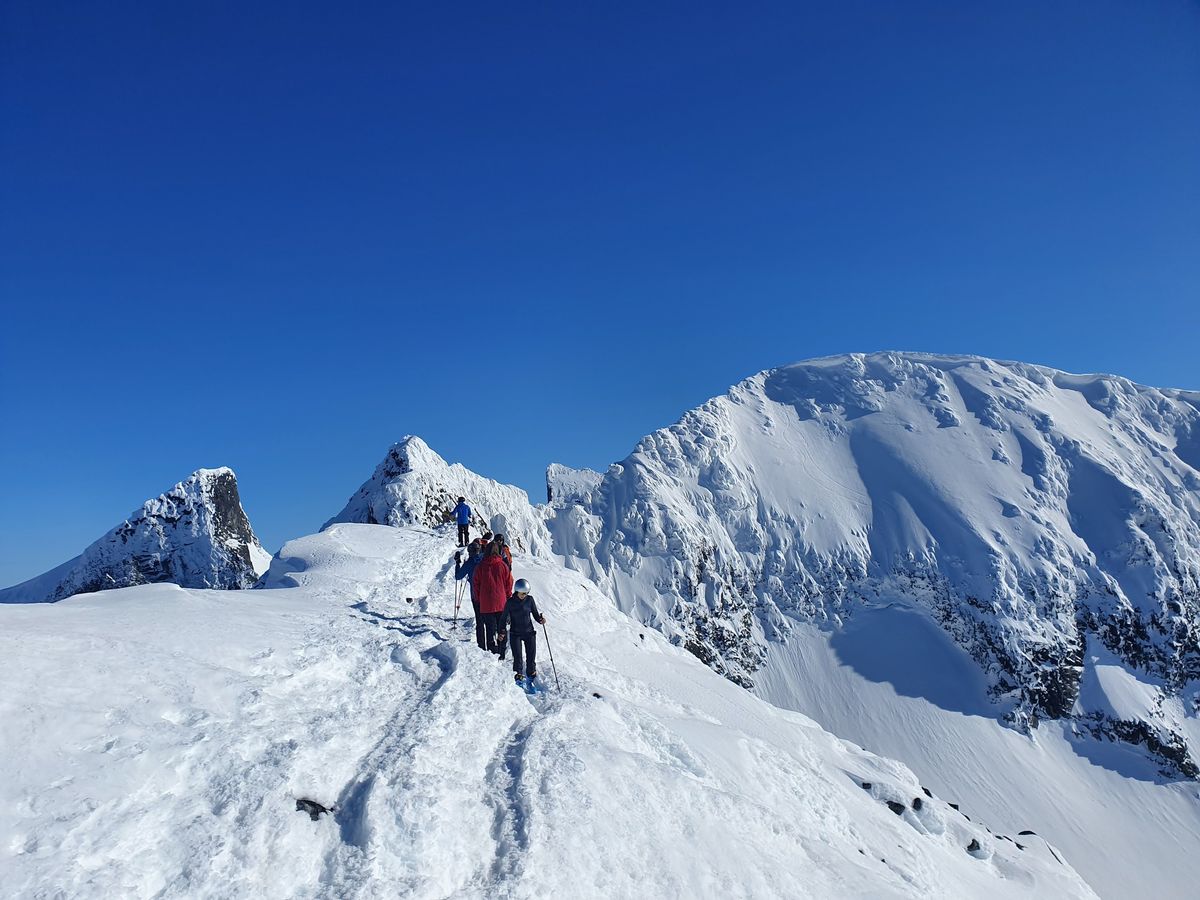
[
  {"x": 1170, "y": 749},
  {"x": 897, "y": 808},
  {"x": 917, "y": 803},
  {"x": 312, "y": 807},
  {"x": 974, "y": 846}
]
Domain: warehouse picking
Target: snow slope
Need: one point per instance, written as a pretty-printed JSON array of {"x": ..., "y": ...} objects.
[
  {"x": 892, "y": 681},
  {"x": 195, "y": 535},
  {"x": 1037, "y": 517},
  {"x": 415, "y": 486},
  {"x": 156, "y": 740}
]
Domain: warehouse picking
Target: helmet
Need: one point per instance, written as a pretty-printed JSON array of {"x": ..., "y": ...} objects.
[{"x": 521, "y": 587}]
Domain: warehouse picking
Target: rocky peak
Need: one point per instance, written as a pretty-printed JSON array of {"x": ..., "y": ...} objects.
[{"x": 195, "y": 535}]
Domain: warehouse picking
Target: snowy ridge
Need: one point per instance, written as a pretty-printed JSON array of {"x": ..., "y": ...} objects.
[
  {"x": 415, "y": 486},
  {"x": 190, "y": 722},
  {"x": 1034, "y": 515},
  {"x": 195, "y": 535}
]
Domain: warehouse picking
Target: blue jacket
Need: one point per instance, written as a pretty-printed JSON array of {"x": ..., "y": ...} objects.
[
  {"x": 462, "y": 513},
  {"x": 519, "y": 615},
  {"x": 467, "y": 569}
]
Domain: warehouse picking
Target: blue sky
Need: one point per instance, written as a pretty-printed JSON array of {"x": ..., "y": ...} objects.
[{"x": 280, "y": 236}]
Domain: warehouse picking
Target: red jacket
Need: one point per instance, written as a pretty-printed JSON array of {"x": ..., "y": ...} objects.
[{"x": 493, "y": 584}]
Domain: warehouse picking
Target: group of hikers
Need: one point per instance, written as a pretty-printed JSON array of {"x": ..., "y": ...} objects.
[{"x": 503, "y": 607}]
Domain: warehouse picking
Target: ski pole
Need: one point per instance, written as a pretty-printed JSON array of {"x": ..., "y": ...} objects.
[
  {"x": 457, "y": 600},
  {"x": 553, "y": 667}
]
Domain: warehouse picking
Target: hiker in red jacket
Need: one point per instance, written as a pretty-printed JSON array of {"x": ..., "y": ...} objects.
[{"x": 493, "y": 586}]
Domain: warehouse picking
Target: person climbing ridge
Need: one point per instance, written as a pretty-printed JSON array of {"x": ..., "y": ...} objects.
[
  {"x": 520, "y": 612},
  {"x": 462, "y": 515},
  {"x": 467, "y": 570},
  {"x": 493, "y": 586}
]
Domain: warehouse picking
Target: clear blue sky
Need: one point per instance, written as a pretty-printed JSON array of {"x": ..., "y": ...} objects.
[{"x": 280, "y": 236}]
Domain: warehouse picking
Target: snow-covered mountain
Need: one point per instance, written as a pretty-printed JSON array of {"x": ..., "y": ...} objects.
[
  {"x": 195, "y": 535},
  {"x": 1048, "y": 523},
  {"x": 987, "y": 570},
  {"x": 186, "y": 725},
  {"x": 415, "y": 486},
  {"x": 565, "y": 486}
]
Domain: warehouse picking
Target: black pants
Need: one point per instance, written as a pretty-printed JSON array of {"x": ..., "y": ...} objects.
[
  {"x": 525, "y": 644},
  {"x": 491, "y": 624},
  {"x": 464, "y": 535},
  {"x": 480, "y": 637}
]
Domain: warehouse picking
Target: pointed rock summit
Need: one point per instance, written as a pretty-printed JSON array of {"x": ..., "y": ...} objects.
[
  {"x": 415, "y": 486},
  {"x": 195, "y": 535}
]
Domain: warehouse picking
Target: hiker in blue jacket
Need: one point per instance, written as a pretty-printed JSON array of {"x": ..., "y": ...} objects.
[
  {"x": 467, "y": 570},
  {"x": 517, "y": 619},
  {"x": 462, "y": 515}
]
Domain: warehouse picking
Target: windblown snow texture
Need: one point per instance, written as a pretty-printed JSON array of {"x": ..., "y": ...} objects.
[
  {"x": 565, "y": 485},
  {"x": 415, "y": 486},
  {"x": 195, "y": 535},
  {"x": 1039, "y": 518}
]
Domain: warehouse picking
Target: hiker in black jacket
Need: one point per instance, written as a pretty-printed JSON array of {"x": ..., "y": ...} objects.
[{"x": 520, "y": 612}]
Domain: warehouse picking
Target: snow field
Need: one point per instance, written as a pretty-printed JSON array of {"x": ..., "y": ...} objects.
[
  {"x": 1102, "y": 805},
  {"x": 156, "y": 741}
]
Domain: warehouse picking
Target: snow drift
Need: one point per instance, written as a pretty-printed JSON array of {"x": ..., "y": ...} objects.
[
  {"x": 173, "y": 732},
  {"x": 195, "y": 535}
]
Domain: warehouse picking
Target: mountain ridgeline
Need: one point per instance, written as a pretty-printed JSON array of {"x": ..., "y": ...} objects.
[
  {"x": 1037, "y": 517},
  {"x": 1045, "y": 522}
]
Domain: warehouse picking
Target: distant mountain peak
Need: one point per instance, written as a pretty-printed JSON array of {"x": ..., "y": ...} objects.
[
  {"x": 413, "y": 485},
  {"x": 195, "y": 535}
]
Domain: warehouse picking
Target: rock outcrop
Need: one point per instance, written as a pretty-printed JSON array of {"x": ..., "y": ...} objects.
[{"x": 195, "y": 535}]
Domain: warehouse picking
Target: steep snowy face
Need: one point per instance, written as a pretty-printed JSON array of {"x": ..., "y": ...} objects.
[
  {"x": 566, "y": 486},
  {"x": 1043, "y": 520},
  {"x": 415, "y": 486},
  {"x": 195, "y": 535}
]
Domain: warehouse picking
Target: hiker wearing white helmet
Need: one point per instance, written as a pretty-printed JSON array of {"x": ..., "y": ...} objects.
[{"x": 520, "y": 612}]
